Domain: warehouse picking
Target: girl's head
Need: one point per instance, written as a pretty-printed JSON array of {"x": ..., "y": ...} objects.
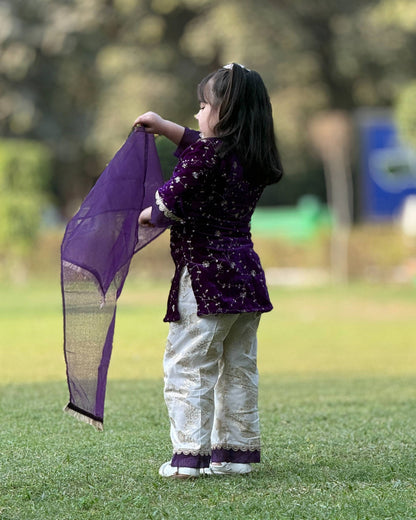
[{"x": 240, "y": 113}]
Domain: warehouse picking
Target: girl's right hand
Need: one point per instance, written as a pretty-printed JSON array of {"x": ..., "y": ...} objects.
[
  {"x": 145, "y": 217},
  {"x": 152, "y": 122}
]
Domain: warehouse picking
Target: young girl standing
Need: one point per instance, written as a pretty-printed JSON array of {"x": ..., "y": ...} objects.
[{"x": 218, "y": 290}]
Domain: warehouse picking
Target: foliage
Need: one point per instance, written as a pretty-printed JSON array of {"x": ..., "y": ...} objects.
[
  {"x": 25, "y": 169},
  {"x": 398, "y": 21},
  {"x": 406, "y": 113},
  {"x": 75, "y": 73}
]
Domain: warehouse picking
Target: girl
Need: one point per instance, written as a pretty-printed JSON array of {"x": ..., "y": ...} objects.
[{"x": 218, "y": 290}]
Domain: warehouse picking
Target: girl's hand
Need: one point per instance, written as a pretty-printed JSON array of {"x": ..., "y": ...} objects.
[
  {"x": 145, "y": 217},
  {"x": 152, "y": 122}
]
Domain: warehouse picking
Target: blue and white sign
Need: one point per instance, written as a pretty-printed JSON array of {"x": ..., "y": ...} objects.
[{"x": 388, "y": 167}]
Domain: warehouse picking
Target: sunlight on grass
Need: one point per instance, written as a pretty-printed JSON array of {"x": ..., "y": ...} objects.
[{"x": 337, "y": 330}]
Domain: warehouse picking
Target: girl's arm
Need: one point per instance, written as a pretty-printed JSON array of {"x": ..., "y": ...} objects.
[
  {"x": 191, "y": 175},
  {"x": 157, "y": 125}
]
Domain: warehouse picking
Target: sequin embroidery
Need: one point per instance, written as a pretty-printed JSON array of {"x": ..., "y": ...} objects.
[{"x": 210, "y": 204}]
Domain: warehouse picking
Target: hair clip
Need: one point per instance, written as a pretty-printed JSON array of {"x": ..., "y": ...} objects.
[{"x": 231, "y": 65}]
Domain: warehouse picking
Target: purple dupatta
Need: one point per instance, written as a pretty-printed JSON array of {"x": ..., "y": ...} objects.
[{"x": 97, "y": 248}]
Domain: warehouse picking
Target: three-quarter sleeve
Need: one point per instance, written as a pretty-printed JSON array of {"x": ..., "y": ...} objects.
[{"x": 194, "y": 168}]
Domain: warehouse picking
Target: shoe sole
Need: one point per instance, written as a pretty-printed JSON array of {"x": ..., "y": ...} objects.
[
  {"x": 178, "y": 476},
  {"x": 229, "y": 473},
  {"x": 221, "y": 471}
]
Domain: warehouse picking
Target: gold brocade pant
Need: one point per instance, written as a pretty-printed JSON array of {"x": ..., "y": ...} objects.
[{"x": 211, "y": 379}]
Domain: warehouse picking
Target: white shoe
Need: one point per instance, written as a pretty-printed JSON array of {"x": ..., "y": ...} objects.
[
  {"x": 230, "y": 468},
  {"x": 166, "y": 470}
]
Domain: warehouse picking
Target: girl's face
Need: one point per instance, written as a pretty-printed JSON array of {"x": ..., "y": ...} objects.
[{"x": 207, "y": 118}]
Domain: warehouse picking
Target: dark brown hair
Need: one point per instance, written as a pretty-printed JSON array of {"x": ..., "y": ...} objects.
[{"x": 245, "y": 123}]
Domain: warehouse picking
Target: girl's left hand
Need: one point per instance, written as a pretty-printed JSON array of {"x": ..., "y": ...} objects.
[
  {"x": 145, "y": 217},
  {"x": 152, "y": 122}
]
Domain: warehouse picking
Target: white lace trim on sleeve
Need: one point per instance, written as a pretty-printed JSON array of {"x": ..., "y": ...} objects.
[{"x": 165, "y": 210}]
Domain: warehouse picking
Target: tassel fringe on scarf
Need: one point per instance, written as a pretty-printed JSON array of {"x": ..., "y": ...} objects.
[{"x": 81, "y": 416}]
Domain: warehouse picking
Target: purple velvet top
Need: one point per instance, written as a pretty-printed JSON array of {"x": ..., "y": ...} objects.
[{"x": 208, "y": 204}]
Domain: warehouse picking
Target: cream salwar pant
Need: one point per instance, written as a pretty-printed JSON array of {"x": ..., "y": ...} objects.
[{"x": 211, "y": 384}]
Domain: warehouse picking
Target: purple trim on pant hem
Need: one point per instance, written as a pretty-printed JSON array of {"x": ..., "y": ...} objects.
[
  {"x": 179, "y": 460},
  {"x": 239, "y": 456}
]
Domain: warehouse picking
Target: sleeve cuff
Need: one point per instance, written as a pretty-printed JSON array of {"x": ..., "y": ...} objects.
[{"x": 161, "y": 215}]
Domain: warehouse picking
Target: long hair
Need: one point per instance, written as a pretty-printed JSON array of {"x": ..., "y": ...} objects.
[{"x": 245, "y": 123}]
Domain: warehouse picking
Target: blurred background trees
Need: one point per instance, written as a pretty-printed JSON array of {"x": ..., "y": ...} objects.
[
  {"x": 25, "y": 169},
  {"x": 74, "y": 74}
]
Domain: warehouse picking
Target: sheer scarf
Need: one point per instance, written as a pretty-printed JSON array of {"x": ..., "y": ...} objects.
[{"x": 97, "y": 248}]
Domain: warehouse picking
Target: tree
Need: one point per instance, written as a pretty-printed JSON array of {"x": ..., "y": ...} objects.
[
  {"x": 49, "y": 80},
  {"x": 75, "y": 73},
  {"x": 406, "y": 113},
  {"x": 25, "y": 168}
]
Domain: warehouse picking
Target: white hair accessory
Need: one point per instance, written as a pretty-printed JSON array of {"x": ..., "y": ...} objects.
[{"x": 230, "y": 66}]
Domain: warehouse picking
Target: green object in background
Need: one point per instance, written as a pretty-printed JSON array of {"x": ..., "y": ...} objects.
[
  {"x": 300, "y": 222},
  {"x": 25, "y": 169}
]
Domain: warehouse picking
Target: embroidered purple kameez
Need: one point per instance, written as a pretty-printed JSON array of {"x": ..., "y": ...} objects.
[{"x": 209, "y": 205}]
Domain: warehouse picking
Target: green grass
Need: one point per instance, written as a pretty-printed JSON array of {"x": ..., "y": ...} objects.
[{"x": 337, "y": 400}]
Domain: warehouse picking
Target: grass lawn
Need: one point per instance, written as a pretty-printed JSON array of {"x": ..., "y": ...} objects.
[{"x": 337, "y": 398}]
